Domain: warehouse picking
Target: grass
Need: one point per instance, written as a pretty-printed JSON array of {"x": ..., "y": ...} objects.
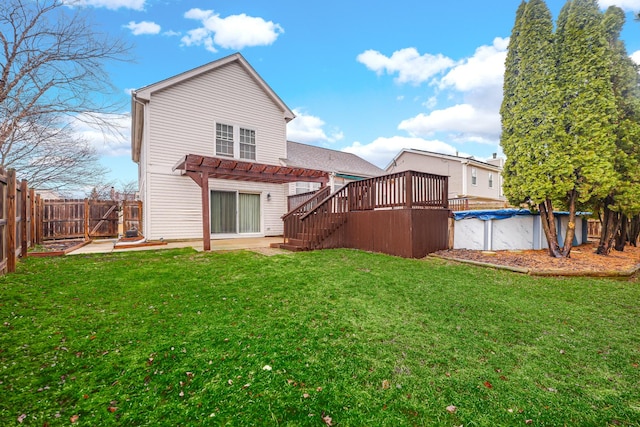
[{"x": 176, "y": 337}]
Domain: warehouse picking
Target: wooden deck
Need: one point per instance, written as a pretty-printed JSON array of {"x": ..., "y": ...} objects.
[{"x": 403, "y": 214}]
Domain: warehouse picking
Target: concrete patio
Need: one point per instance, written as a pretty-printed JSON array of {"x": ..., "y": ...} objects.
[{"x": 107, "y": 245}]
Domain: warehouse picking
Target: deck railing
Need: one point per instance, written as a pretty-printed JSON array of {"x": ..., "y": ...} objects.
[
  {"x": 292, "y": 220},
  {"x": 320, "y": 216},
  {"x": 296, "y": 200}
]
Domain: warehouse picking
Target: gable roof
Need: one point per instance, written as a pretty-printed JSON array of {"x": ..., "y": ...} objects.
[
  {"x": 460, "y": 159},
  {"x": 142, "y": 96},
  {"x": 340, "y": 162}
]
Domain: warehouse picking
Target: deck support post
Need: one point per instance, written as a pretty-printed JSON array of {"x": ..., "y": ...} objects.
[
  {"x": 202, "y": 179},
  {"x": 408, "y": 186}
]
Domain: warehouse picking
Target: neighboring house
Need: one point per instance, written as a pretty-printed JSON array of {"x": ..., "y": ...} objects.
[
  {"x": 468, "y": 177},
  {"x": 213, "y": 157},
  {"x": 49, "y": 194},
  {"x": 342, "y": 167}
]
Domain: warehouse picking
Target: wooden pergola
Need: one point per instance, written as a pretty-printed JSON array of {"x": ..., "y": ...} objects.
[{"x": 201, "y": 168}]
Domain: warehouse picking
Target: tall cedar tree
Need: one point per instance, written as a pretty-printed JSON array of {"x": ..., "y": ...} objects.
[
  {"x": 623, "y": 201},
  {"x": 529, "y": 112},
  {"x": 586, "y": 129},
  {"x": 560, "y": 132}
]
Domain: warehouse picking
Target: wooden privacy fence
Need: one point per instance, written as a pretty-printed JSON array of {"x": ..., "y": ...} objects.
[
  {"x": 88, "y": 219},
  {"x": 27, "y": 220},
  {"x": 17, "y": 225}
]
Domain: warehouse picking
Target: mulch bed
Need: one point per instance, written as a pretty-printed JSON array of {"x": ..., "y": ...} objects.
[
  {"x": 57, "y": 247},
  {"x": 583, "y": 261}
]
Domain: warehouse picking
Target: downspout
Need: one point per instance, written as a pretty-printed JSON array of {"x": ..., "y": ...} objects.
[
  {"x": 464, "y": 163},
  {"x": 332, "y": 181},
  {"x": 143, "y": 171}
]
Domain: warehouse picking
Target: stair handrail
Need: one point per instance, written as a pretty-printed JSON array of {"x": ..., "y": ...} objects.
[{"x": 319, "y": 196}]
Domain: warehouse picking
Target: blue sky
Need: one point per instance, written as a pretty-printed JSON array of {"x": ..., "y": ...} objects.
[{"x": 369, "y": 77}]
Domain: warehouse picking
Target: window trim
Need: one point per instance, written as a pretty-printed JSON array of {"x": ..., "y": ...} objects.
[
  {"x": 474, "y": 177},
  {"x": 236, "y": 144},
  {"x": 241, "y": 143},
  {"x": 222, "y": 139}
]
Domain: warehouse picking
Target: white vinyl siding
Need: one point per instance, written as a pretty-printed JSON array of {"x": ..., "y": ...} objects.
[
  {"x": 182, "y": 120},
  {"x": 460, "y": 183}
]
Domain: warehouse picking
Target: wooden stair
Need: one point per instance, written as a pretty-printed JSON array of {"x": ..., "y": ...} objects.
[{"x": 299, "y": 243}]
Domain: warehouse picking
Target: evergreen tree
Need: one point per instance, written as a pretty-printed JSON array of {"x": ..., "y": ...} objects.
[
  {"x": 529, "y": 111},
  {"x": 623, "y": 201},
  {"x": 559, "y": 135},
  {"x": 586, "y": 131}
]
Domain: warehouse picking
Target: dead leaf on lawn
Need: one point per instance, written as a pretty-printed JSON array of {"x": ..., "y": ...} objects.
[
  {"x": 112, "y": 409},
  {"x": 385, "y": 384},
  {"x": 487, "y": 384},
  {"x": 327, "y": 419},
  {"x": 74, "y": 418},
  {"x": 21, "y": 418},
  {"x": 451, "y": 409}
]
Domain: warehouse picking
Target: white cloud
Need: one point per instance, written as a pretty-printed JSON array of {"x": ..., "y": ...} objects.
[
  {"x": 171, "y": 33},
  {"x": 109, "y": 4},
  {"x": 306, "y": 128},
  {"x": 114, "y": 143},
  {"x": 232, "y": 32},
  {"x": 382, "y": 150},
  {"x": 462, "y": 120},
  {"x": 635, "y": 56},
  {"x": 410, "y": 66},
  {"x": 143, "y": 27},
  {"x": 484, "y": 68},
  {"x": 628, "y": 5}
]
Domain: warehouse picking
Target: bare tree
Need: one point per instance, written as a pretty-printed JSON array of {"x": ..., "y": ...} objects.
[{"x": 52, "y": 72}]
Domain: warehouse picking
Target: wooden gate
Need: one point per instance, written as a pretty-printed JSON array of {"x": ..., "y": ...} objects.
[
  {"x": 79, "y": 218},
  {"x": 131, "y": 215}
]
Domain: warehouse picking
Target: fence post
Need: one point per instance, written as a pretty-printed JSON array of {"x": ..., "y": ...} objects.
[
  {"x": 25, "y": 217},
  {"x": 39, "y": 216},
  {"x": 11, "y": 220},
  {"x": 140, "y": 223},
  {"x": 86, "y": 219},
  {"x": 32, "y": 208}
]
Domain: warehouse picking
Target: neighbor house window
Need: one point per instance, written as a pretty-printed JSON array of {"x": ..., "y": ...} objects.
[
  {"x": 305, "y": 187},
  {"x": 474, "y": 176},
  {"x": 490, "y": 180},
  {"x": 224, "y": 140},
  {"x": 247, "y": 144}
]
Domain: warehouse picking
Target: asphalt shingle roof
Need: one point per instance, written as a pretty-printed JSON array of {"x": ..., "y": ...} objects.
[{"x": 312, "y": 157}]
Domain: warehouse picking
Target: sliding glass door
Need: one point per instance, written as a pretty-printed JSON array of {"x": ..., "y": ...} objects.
[{"x": 233, "y": 212}]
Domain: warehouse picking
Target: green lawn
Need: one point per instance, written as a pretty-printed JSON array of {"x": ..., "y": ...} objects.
[{"x": 177, "y": 337}]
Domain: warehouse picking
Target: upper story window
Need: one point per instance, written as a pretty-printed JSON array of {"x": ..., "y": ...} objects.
[
  {"x": 474, "y": 176},
  {"x": 235, "y": 141},
  {"x": 247, "y": 144},
  {"x": 490, "y": 180},
  {"x": 224, "y": 140}
]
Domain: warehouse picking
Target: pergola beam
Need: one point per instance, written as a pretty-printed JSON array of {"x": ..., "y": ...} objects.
[{"x": 201, "y": 168}]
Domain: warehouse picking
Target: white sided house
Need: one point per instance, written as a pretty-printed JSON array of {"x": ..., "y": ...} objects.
[
  {"x": 343, "y": 167},
  {"x": 209, "y": 144},
  {"x": 468, "y": 178}
]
